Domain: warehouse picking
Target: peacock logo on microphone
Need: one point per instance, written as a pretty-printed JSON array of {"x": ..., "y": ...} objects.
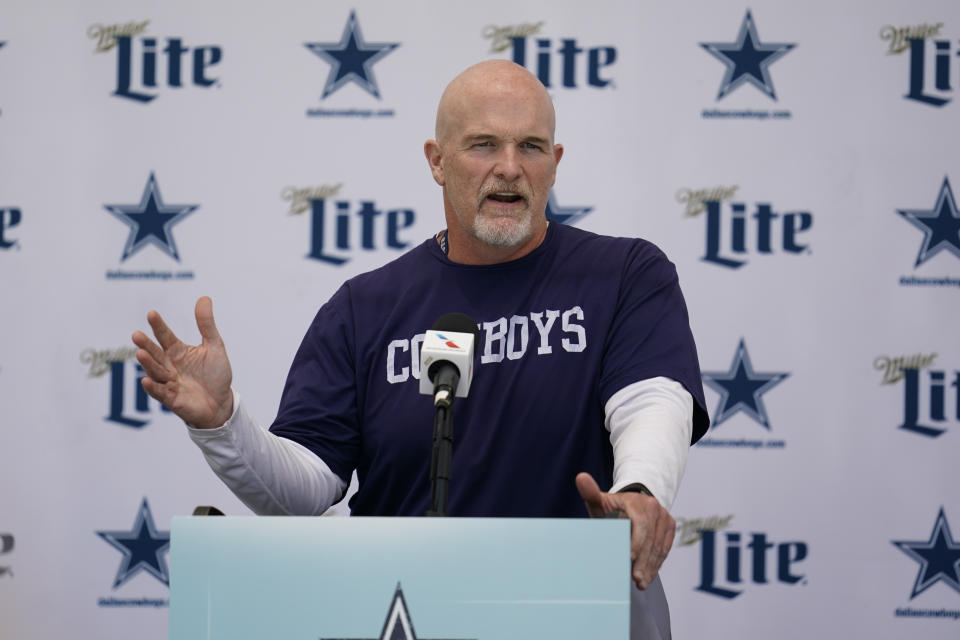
[{"x": 447, "y": 341}]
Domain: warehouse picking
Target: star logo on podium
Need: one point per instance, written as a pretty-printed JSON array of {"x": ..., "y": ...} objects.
[
  {"x": 564, "y": 215},
  {"x": 940, "y": 225},
  {"x": 143, "y": 548},
  {"x": 151, "y": 221},
  {"x": 747, "y": 59},
  {"x": 741, "y": 389},
  {"x": 939, "y": 557},
  {"x": 397, "y": 625},
  {"x": 351, "y": 59}
]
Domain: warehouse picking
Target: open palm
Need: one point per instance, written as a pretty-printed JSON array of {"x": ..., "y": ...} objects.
[{"x": 192, "y": 381}]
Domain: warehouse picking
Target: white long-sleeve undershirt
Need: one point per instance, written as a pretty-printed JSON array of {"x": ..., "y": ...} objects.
[
  {"x": 272, "y": 475},
  {"x": 650, "y": 424}
]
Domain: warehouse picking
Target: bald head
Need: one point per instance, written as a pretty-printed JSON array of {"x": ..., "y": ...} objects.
[
  {"x": 498, "y": 81},
  {"x": 495, "y": 158}
]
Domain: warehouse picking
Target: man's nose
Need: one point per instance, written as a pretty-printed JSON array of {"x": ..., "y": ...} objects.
[{"x": 508, "y": 166}]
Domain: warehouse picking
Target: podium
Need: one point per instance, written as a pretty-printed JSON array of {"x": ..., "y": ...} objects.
[{"x": 339, "y": 578}]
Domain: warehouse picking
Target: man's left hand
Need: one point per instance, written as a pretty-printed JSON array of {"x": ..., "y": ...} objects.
[{"x": 651, "y": 526}]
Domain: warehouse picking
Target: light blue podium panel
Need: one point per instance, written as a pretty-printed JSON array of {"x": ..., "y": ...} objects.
[{"x": 398, "y": 578}]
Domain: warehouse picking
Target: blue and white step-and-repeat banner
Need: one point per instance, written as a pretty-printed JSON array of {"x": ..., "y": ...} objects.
[{"x": 797, "y": 161}]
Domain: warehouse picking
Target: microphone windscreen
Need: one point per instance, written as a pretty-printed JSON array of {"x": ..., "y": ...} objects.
[{"x": 458, "y": 323}]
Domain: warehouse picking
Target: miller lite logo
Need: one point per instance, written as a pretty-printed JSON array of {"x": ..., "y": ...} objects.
[
  {"x": 931, "y": 63},
  {"x": 736, "y": 231},
  {"x": 338, "y": 227},
  {"x": 6, "y": 546},
  {"x": 730, "y": 564},
  {"x": 557, "y": 62},
  {"x": 128, "y": 404},
  {"x": 10, "y": 217},
  {"x": 931, "y": 400},
  {"x": 146, "y": 65}
]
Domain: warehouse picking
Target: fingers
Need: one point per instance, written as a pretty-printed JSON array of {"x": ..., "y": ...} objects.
[
  {"x": 164, "y": 334},
  {"x": 156, "y": 390},
  {"x": 205, "y": 323},
  {"x": 652, "y": 528},
  {"x": 141, "y": 340},
  {"x": 591, "y": 494},
  {"x": 152, "y": 358},
  {"x": 651, "y": 537},
  {"x": 641, "y": 540}
]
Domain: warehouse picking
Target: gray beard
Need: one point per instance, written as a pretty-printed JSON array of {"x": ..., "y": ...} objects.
[{"x": 503, "y": 232}]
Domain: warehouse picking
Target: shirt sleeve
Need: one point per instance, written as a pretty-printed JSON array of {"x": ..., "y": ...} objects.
[
  {"x": 650, "y": 424},
  {"x": 319, "y": 408},
  {"x": 650, "y": 333},
  {"x": 269, "y": 474}
]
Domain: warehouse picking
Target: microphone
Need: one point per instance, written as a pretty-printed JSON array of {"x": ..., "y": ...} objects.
[
  {"x": 446, "y": 370},
  {"x": 446, "y": 358}
]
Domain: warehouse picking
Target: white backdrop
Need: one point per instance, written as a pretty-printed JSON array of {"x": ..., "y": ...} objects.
[{"x": 832, "y": 153}]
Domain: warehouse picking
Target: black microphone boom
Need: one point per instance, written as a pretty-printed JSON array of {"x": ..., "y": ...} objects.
[{"x": 445, "y": 376}]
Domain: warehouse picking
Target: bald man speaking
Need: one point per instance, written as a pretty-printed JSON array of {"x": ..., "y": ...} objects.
[{"x": 587, "y": 394}]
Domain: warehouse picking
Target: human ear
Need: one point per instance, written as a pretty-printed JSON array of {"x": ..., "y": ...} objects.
[{"x": 431, "y": 149}]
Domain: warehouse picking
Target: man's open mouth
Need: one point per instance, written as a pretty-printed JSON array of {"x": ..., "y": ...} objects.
[{"x": 505, "y": 197}]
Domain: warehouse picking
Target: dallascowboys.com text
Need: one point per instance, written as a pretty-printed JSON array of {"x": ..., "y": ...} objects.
[
  {"x": 134, "y": 602},
  {"x": 910, "y": 612},
  {"x": 934, "y": 282}
]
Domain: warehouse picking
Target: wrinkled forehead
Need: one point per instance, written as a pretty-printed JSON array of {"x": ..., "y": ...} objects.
[{"x": 506, "y": 100}]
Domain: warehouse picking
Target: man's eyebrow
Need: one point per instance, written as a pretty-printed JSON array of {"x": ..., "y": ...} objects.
[
  {"x": 479, "y": 137},
  {"x": 536, "y": 139}
]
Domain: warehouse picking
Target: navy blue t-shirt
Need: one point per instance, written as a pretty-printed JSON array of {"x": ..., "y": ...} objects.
[{"x": 561, "y": 330}]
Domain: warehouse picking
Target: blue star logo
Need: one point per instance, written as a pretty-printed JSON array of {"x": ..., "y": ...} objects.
[
  {"x": 940, "y": 225},
  {"x": 397, "y": 625},
  {"x": 151, "y": 221},
  {"x": 351, "y": 59},
  {"x": 747, "y": 59},
  {"x": 741, "y": 388},
  {"x": 564, "y": 215},
  {"x": 939, "y": 557},
  {"x": 143, "y": 548}
]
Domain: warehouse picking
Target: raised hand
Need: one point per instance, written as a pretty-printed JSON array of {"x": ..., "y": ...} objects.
[
  {"x": 651, "y": 526},
  {"x": 192, "y": 381}
]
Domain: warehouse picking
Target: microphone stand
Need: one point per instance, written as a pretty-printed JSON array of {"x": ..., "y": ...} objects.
[{"x": 442, "y": 456}]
